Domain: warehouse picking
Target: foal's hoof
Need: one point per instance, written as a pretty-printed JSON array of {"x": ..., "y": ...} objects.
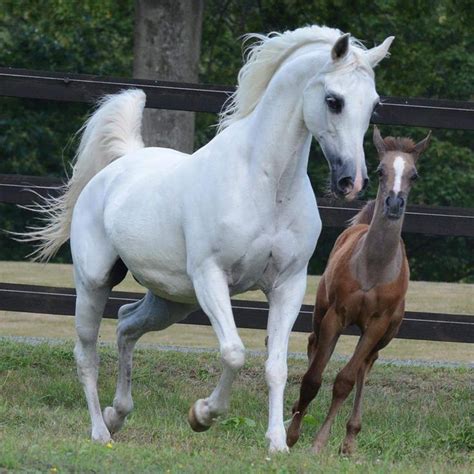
[
  {"x": 347, "y": 449},
  {"x": 195, "y": 424},
  {"x": 292, "y": 437},
  {"x": 294, "y": 430}
]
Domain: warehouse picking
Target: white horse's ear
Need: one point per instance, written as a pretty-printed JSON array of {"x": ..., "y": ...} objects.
[
  {"x": 378, "y": 142},
  {"x": 341, "y": 47},
  {"x": 375, "y": 55}
]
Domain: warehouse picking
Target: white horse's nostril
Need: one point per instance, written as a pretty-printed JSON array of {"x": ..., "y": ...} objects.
[{"x": 345, "y": 185}]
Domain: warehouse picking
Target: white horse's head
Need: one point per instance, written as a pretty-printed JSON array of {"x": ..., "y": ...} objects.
[{"x": 345, "y": 89}]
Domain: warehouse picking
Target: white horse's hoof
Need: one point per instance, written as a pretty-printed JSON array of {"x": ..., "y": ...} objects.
[
  {"x": 194, "y": 421},
  {"x": 101, "y": 436},
  {"x": 112, "y": 419},
  {"x": 277, "y": 441},
  {"x": 276, "y": 448}
]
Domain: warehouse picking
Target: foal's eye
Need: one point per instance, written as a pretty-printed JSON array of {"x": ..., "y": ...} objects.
[
  {"x": 334, "y": 104},
  {"x": 414, "y": 177},
  {"x": 379, "y": 172}
]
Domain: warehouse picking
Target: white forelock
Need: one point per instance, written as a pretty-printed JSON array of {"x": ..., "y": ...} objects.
[{"x": 263, "y": 58}]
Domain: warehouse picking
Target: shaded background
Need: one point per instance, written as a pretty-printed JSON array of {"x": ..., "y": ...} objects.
[{"x": 432, "y": 57}]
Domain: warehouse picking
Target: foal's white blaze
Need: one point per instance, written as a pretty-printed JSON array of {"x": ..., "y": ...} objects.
[{"x": 399, "y": 166}]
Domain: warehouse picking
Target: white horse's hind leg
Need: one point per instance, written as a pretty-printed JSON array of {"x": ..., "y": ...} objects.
[
  {"x": 149, "y": 314},
  {"x": 285, "y": 302},
  {"x": 213, "y": 296},
  {"x": 97, "y": 269},
  {"x": 90, "y": 305}
]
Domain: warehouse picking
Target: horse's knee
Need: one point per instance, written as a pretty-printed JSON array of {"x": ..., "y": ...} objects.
[
  {"x": 87, "y": 362},
  {"x": 343, "y": 385},
  {"x": 311, "y": 382},
  {"x": 310, "y": 386},
  {"x": 86, "y": 334},
  {"x": 126, "y": 309},
  {"x": 233, "y": 356},
  {"x": 275, "y": 374}
]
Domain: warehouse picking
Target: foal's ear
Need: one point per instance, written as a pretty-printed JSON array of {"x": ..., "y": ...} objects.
[
  {"x": 375, "y": 55},
  {"x": 341, "y": 47},
  {"x": 378, "y": 141},
  {"x": 420, "y": 147}
]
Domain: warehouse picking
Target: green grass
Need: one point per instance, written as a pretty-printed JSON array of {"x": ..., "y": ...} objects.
[{"x": 416, "y": 419}]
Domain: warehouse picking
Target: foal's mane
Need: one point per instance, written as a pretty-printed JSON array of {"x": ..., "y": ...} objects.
[
  {"x": 263, "y": 58},
  {"x": 365, "y": 215}
]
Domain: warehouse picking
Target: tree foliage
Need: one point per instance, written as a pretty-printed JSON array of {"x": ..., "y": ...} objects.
[{"x": 432, "y": 56}]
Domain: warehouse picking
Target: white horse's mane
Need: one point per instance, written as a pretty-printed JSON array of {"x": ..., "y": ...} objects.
[{"x": 263, "y": 58}]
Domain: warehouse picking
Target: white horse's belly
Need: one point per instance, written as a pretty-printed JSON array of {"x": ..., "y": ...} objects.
[{"x": 164, "y": 223}]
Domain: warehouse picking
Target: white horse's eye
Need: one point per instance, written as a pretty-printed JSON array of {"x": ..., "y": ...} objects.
[{"x": 334, "y": 104}]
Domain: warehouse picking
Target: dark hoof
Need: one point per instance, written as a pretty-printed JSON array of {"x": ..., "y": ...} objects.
[
  {"x": 194, "y": 423},
  {"x": 294, "y": 430},
  {"x": 291, "y": 440},
  {"x": 347, "y": 450}
]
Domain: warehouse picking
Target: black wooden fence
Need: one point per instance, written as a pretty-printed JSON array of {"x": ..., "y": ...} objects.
[{"x": 447, "y": 221}]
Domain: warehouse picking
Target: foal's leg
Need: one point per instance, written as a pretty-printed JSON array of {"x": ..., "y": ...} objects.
[
  {"x": 346, "y": 378},
  {"x": 151, "y": 313},
  {"x": 320, "y": 309},
  {"x": 285, "y": 302},
  {"x": 212, "y": 291},
  {"x": 354, "y": 424},
  {"x": 329, "y": 331}
]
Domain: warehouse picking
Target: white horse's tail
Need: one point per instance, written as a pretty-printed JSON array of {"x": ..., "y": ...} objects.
[{"x": 111, "y": 132}]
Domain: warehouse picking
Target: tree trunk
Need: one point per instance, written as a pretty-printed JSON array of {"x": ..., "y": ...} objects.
[{"x": 167, "y": 45}]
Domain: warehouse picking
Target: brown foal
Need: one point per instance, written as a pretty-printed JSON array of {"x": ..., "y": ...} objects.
[{"x": 365, "y": 283}]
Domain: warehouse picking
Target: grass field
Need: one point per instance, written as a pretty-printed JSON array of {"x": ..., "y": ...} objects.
[
  {"x": 416, "y": 419},
  {"x": 422, "y": 296}
]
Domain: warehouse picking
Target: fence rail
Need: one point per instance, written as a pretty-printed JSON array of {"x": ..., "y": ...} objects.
[
  {"x": 247, "y": 314},
  {"x": 447, "y": 221},
  {"x": 434, "y": 220},
  {"x": 432, "y": 113}
]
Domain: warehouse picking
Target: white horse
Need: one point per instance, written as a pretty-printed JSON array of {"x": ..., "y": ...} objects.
[{"x": 238, "y": 214}]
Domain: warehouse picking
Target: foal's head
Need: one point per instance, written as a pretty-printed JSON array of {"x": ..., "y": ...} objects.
[{"x": 397, "y": 170}]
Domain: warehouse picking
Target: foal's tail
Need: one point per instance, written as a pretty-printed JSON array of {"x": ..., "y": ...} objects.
[{"x": 112, "y": 131}]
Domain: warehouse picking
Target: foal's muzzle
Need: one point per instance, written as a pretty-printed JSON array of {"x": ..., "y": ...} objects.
[{"x": 394, "y": 206}]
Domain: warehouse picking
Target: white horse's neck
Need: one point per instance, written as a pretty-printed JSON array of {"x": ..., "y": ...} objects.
[{"x": 278, "y": 139}]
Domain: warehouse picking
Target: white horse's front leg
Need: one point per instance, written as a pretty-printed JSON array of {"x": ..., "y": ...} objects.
[
  {"x": 285, "y": 302},
  {"x": 213, "y": 295}
]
